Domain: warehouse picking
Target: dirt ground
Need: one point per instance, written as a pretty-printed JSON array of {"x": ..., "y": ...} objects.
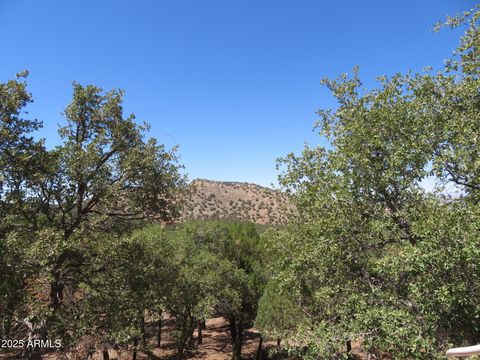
[{"x": 216, "y": 345}]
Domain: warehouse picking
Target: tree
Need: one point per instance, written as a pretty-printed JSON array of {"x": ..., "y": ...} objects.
[
  {"x": 105, "y": 177},
  {"x": 104, "y": 170},
  {"x": 278, "y": 317},
  {"x": 237, "y": 246},
  {"x": 18, "y": 154},
  {"x": 198, "y": 278},
  {"x": 243, "y": 248},
  {"x": 451, "y": 98},
  {"x": 359, "y": 260},
  {"x": 126, "y": 280}
]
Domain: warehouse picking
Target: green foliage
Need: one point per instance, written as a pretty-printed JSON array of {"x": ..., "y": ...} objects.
[
  {"x": 18, "y": 153},
  {"x": 372, "y": 258},
  {"x": 224, "y": 274},
  {"x": 104, "y": 179},
  {"x": 124, "y": 281},
  {"x": 278, "y": 317}
]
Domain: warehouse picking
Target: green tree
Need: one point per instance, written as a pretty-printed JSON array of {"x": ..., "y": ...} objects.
[
  {"x": 367, "y": 258},
  {"x": 105, "y": 177},
  {"x": 278, "y": 316},
  {"x": 126, "y": 280},
  {"x": 19, "y": 152},
  {"x": 196, "y": 283},
  {"x": 238, "y": 247},
  {"x": 104, "y": 170}
]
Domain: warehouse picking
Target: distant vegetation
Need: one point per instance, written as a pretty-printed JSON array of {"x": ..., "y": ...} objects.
[
  {"x": 362, "y": 258},
  {"x": 210, "y": 200}
]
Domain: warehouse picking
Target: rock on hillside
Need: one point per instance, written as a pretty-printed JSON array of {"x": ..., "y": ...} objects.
[{"x": 235, "y": 200}]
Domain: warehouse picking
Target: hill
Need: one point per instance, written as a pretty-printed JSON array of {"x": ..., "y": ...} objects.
[{"x": 210, "y": 199}]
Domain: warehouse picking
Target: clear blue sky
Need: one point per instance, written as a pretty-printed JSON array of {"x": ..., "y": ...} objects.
[{"x": 234, "y": 83}]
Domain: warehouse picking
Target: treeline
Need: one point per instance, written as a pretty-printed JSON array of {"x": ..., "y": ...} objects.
[
  {"x": 191, "y": 273},
  {"x": 371, "y": 260}
]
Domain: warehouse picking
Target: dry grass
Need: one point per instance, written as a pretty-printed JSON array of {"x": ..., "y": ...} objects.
[{"x": 234, "y": 200}]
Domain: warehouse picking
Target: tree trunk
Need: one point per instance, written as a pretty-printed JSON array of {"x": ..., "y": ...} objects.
[
  {"x": 56, "y": 291},
  {"x": 192, "y": 325},
  {"x": 200, "y": 335},
  {"x": 278, "y": 343},
  {"x": 7, "y": 322},
  {"x": 259, "y": 349},
  {"x": 135, "y": 346},
  {"x": 180, "y": 350},
  {"x": 181, "y": 344},
  {"x": 159, "y": 335},
  {"x": 142, "y": 331},
  {"x": 349, "y": 349},
  {"x": 188, "y": 325},
  {"x": 204, "y": 324},
  {"x": 105, "y": 354},
  {"x": 236, "y": 331}
]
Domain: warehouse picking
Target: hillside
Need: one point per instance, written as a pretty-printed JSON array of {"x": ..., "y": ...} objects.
[{"x": 235, "y": 200}]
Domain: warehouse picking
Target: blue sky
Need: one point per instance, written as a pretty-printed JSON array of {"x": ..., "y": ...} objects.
[{"x": 234, "y": 83}]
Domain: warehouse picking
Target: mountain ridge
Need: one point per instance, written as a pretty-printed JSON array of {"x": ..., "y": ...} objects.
[{"x": 235, "y": 200}]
